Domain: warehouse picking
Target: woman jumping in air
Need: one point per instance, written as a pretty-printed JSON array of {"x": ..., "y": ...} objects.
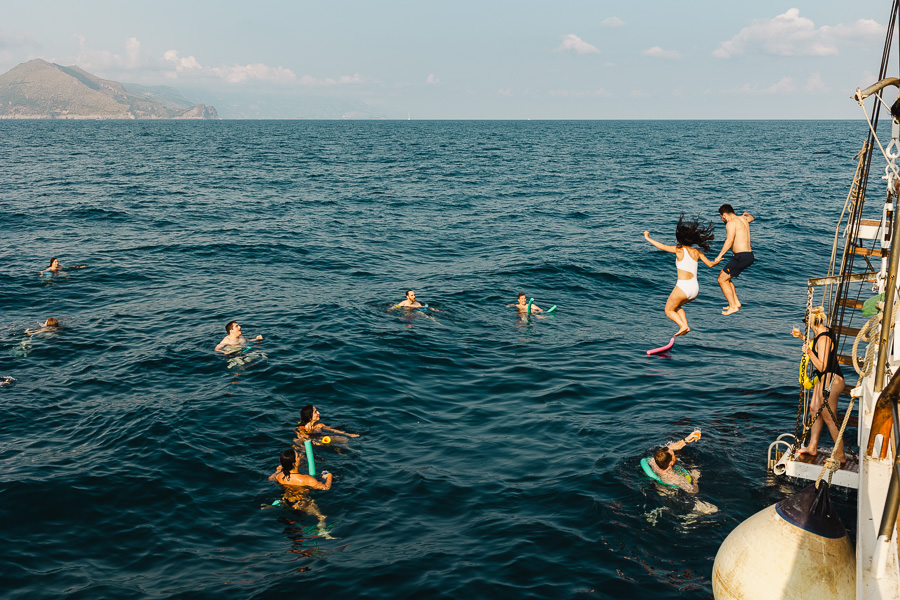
[{"x": 688, "y": 234}]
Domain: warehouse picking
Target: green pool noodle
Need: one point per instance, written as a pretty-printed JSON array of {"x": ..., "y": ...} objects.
[
  {"x": 529, "y": 305},
  {"x": 309, "y": 458}
]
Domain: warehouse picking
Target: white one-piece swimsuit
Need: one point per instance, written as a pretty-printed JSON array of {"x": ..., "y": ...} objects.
[{"x": 690, "y": 287}]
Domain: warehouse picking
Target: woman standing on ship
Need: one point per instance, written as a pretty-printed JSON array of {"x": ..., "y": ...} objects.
[
  {"x": 823, "y": 355},
  {"x": 687, "y": 235}
]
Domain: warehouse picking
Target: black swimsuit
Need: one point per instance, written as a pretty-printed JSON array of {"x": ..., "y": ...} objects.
[{"x": 831, "y": 362}]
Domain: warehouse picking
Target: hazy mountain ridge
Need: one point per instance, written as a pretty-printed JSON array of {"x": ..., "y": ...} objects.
[{"x": 38, "y": 89}]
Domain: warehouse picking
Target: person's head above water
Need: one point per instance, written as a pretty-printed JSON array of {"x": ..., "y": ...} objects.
[
  {"x": 692, "y": 233},
  {"x": 231, "y": 325},
  {"x": 51, "y": 322},
  {"x": 664, "y": 457},
  {"x": 288, "y": 460},
  {"x": 410, "y": 295},
  {"x": 308, "y": 414},
  {"x": 521, "y": 297}
]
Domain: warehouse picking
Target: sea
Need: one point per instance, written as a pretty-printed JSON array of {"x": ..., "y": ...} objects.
[{"x": 498, "y": 454}]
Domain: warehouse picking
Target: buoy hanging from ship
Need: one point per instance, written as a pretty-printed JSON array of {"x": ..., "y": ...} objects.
[{"x": 796, "y": 549}]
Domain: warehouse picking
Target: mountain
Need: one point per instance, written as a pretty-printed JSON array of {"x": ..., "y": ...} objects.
[{"x": 38, "y": 89}]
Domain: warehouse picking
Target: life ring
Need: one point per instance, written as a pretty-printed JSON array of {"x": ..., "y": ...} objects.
[{"x": 648, "y": 470}]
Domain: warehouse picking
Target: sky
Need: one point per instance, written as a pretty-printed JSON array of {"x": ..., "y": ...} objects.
[{"x": 464, "y": 59}]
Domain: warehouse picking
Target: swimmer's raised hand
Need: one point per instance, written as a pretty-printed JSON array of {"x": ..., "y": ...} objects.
[{"x": 693, "y": 437}]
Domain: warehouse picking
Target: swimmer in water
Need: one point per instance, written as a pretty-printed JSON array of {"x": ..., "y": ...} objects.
[
  {"x": 663, "y": 464},
  {"x": 687, "y": 235},
  {"x": 310, "y": 428},
  {"x": 410, "y": 301},
  {"x": 522, "y": 305},
  {"x": 234, "y": 341},
  {"x": 55, "y": 267},
  {"x": 50, "y": 324},
  {"x": 297, "y": 485}
]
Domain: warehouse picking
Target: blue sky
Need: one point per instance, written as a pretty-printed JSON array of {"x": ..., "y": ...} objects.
[{"x": 526, "y": 59}]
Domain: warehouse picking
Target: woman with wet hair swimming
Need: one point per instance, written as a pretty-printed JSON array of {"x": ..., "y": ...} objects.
[
  {"x": 687, "y": 235},
  {"x": 55, "y": 267},
  {"x": 297, "y": 485},
  {"x": 310, "y": 428}
]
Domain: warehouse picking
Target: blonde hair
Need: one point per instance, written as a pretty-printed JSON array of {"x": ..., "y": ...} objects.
[
  {"x": 51, "y": 322},
  {"x": 817, "y": 316}
]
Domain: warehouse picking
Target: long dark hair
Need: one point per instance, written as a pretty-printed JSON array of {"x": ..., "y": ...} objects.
[
  {"x": 692, "y": 233},
  {"x": 288, "y": 460},
  {"x": 306, "y": 414}
]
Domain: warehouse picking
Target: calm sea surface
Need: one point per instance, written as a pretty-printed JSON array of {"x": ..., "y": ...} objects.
[{"x": 498, "y": 458}]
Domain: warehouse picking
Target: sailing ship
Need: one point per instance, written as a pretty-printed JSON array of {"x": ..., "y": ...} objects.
[{"x": 798, "y": 548}]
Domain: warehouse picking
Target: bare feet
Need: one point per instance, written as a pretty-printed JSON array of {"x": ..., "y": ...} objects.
[
  {"x": 807, "y": 451},
  {"x": 729, "y": 306},
  {"x": 684, "y": 331},
  {"x": 730, "y": 310}
]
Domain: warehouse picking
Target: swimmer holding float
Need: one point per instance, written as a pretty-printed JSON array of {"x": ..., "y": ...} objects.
[
  {"x": 528, "y": 307},
  {"x": 310, "y": 429},
  {"x": 662, "y": 466}
]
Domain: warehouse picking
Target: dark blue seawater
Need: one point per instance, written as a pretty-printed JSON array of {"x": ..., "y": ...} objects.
[{"x": 498, "y": 458}]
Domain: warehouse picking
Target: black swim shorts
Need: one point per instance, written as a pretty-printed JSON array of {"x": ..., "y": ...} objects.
[{"x": 738, "y": 263}]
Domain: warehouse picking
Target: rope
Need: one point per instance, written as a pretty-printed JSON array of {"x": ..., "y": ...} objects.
[
  {"x": 867, "y": 334},
  {"x": 832, "y": 465}
]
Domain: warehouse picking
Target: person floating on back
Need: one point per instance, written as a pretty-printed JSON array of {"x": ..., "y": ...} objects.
[
  {"x": 55, "y": 267},
  {"x": 737, "y": 229},
  {"x": 687, "y": 234},
  {"x": 50, "y": 324},
  {"x": 234, "y": 341}
]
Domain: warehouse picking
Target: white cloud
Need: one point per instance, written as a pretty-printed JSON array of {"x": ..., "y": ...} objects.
[
  {"x": 342, "y": 80},
  {"x": 182, "y": 65},
  {"x": 657, "y": 52},
  {"x": 784, "y": 87},
  {"x": 257, "y": 72},
  {"x": 577, "y": 45},
  {"x": 789, "y": 34},
  {"x": 432, "y": 80},
  {"x": 815, "y": 84},
  {"x": 507, "y": 92},
  {"x": 101, "y": 60},
  {"x": 612, "y": 22},
  {"x": 251, "y": 72},
  {"x": 133, "y": 56}
]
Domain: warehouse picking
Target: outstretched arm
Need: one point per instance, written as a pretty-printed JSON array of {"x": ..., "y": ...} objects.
[
  {"x": 729, "y": 240},
  {"x": 749, "y": 217},
  {"x": 339, "y": 431},
  {"x": 657, "y": 244},
  {"x": 706, "y": 261}
]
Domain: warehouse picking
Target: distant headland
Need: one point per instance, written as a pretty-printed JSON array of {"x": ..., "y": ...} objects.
[{"x": 39, "y": 89}]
